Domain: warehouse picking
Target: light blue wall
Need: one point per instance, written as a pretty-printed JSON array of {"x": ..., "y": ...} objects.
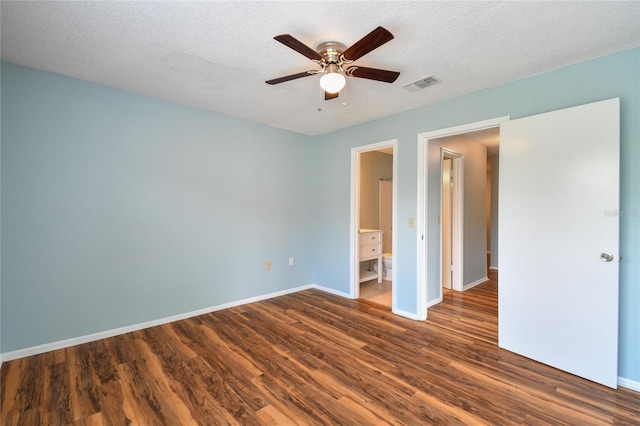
[
  {"x": 119, "y": 209},
  {"x": 611, "y": 76}
]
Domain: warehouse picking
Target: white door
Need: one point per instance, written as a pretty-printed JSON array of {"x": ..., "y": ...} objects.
[
  {"x": 447, "y": 165},
  {"x": 559, "y": 186}
]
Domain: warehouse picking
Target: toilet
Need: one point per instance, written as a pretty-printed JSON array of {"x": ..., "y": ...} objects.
[{"x": 387, "y": 262}]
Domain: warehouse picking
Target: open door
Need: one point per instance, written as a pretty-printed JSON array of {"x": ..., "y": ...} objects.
[
  {"x": 558, "y": 238},
  {"x": 446, "y": 221}
]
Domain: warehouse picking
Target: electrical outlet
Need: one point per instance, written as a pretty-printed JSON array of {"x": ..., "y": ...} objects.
[
  {"x": 291, "y": 261},
  {"x": 267, "y": 265},
  {"x": 412, "y": 223}
]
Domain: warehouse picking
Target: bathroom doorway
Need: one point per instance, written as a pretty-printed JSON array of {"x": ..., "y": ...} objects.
[{"x": 373, "y": 218}]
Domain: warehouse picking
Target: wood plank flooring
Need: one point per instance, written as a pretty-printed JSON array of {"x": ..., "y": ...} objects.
[{"x": 308, "y": 358}]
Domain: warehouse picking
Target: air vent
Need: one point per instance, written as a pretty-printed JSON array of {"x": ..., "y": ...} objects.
[{"x": 421, "y": 84}]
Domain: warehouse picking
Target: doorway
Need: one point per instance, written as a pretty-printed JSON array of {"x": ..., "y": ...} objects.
[
  {"x": 430, "y": 290},
  {"x": 451, "y": 219},
  {"x": 373, "y": 223},
  {"x": 588, "y": 349}
]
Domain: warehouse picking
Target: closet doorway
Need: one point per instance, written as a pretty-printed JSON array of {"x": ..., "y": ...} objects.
[
  {"x": 373, "y": 223},
  {"x": 451, "y": 219}
]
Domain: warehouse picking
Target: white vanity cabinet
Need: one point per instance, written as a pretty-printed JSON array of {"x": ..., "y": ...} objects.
[{"x": 370, "y": 248}]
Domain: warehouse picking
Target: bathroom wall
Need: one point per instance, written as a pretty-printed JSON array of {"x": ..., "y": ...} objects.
[
  {"x": 374, "y": 166},
  {"x": 475, "y": 203}
]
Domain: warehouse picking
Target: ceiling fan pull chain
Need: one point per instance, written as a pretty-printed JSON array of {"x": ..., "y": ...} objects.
[{"x": 345, "y": 102}]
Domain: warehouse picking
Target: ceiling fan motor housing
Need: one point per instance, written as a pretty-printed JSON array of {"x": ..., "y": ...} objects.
[{"x": 331, "y": 51}]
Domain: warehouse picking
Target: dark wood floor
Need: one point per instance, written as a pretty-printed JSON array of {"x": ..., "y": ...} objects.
[{"x": 308, "y": 358}]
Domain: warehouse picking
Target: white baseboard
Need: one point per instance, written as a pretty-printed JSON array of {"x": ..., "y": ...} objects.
[
  {"x": 331, "y": 290},
  {"x": 475, "y": 283},
  {"x": 34, "y": 350},
  {"x": 409, "y": 315},
  {"x": 434, "y": 302},
  {"x": 629, "y": 384}
]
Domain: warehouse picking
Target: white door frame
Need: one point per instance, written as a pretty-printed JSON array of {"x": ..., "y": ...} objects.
[
  {"x": 421, "y": 218},
  {"x": 457, "y": 216},
  {"x": 355, "y": 218}
]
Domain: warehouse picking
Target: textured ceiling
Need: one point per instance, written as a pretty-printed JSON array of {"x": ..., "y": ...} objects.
[{"x": 217, "y": 55}]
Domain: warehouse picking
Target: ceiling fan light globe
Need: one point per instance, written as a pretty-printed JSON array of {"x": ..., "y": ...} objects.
[{"x": 332, "y": 82}]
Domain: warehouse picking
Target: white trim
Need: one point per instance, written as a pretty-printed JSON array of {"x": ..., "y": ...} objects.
[
  {"x": 354, "y": 281},
  {"x": 434, "y": 301},
  {"x": 354, "y": 215},
  {"x": 34, "y": 350},
  {"x": 394, "y": 232},
  {"x": 493, "y": 268},
  {"x": 629, "y": 384},
  {"x": 409, "y": 315},
  {"x": 475, "y": 283},
  {"x": 421, "y": 231},
  {"x": 421, "y": 219},
  {"x": 465, "y": 128},
  {"x": 331, "y": 291}
]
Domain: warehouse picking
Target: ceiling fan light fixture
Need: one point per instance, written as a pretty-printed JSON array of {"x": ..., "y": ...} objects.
[{"x": 332, "y": 82}]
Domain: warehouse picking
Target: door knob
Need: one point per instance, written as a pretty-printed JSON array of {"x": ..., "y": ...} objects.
[{"x": 606, "y": 257}]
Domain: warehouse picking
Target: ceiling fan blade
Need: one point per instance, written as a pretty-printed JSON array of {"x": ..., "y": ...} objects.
[
  {"x": 366, "y": 44},
  {"x": 288, "y": 77},
  {"x": 328, "y": 96},
  {"x": 373, "y": 74},
  {"x": 295, "y": 44}
]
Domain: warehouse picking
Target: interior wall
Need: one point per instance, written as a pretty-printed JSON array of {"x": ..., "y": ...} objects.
[
  {"x": 374, "y": 166},
  {"x": 495, "y": 176},
  {"x": 119, "y": 209},
  {"x": 170, "y": 183},
  {"x": 474, "y": 208},
  {"x": 603, "y": 78}
]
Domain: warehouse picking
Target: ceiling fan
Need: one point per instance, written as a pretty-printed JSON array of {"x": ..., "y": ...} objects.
[{"x": 333, "y": 56}]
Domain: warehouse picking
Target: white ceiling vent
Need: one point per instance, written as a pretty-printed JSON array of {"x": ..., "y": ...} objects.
[{"x": 421, "y": 84}]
